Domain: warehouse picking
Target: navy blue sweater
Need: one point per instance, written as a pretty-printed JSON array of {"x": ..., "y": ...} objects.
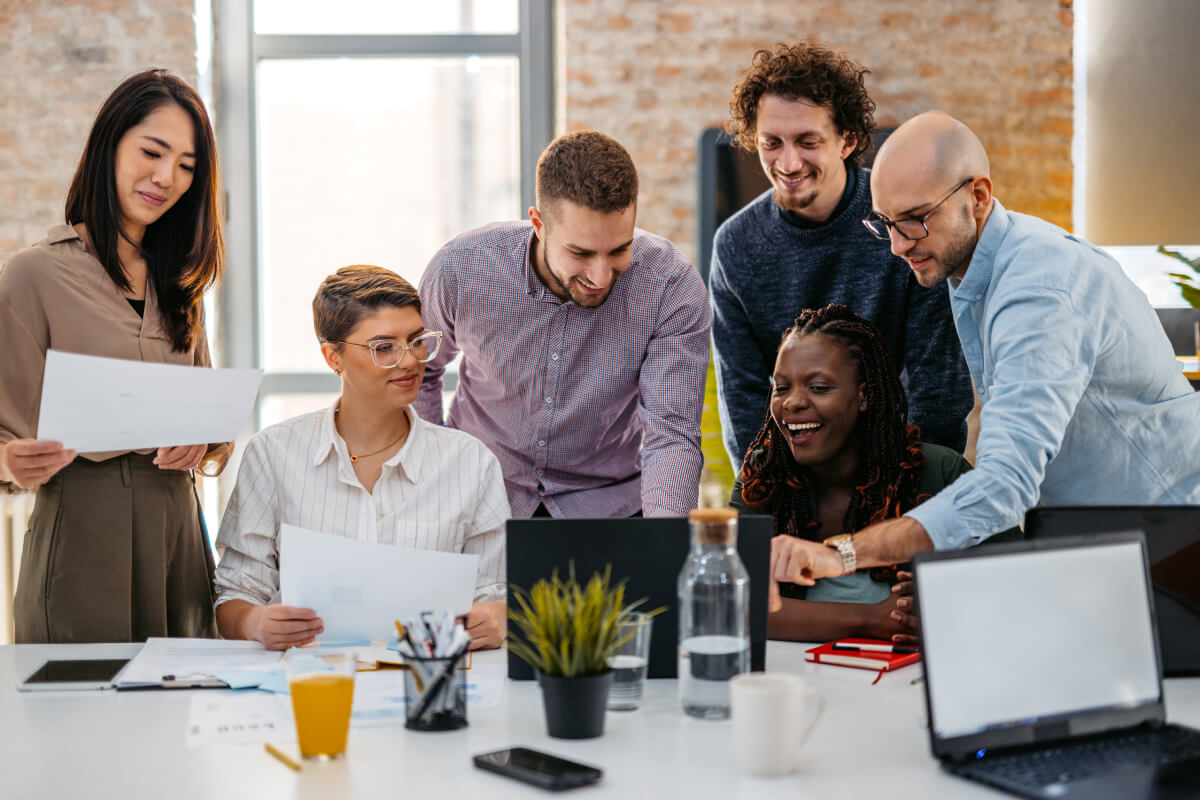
[{"x": 765, "y": 270}]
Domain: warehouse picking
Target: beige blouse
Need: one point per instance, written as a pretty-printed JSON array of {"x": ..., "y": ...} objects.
[{"x": 57, "y": 295}]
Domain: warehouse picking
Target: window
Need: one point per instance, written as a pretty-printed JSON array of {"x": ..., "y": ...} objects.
[{"x": 362, "y": 132}]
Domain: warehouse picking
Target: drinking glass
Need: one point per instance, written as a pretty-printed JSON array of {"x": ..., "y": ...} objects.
[
  {"x": 629, "y": 663},
  {"x": 322, "y": 690}
]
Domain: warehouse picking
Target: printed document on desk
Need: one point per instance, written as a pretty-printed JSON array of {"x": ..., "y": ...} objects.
[
  {"x": 186, "y": 663},
  {"x": 359, "y": 589},
  {"x": 93, "y": 404}
]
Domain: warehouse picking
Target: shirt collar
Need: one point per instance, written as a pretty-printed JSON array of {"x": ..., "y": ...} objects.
[
  {"x": 979, "y": 272},
  {"x": 533, "y": 283},
  {"x": 408, "y": 458},
  {"x": 61, "y": 233}
]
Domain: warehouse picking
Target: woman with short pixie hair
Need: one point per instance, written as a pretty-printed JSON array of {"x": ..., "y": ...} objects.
[
  {"x": 116, "y": 549},
  {"x": 367, "y": 468}
]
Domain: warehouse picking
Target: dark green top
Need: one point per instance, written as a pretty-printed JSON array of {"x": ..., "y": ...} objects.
[{"x": 940, "y": 468}]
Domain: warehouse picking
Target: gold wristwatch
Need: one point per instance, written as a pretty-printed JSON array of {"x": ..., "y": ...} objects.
[{"x": 844, "y": 544}]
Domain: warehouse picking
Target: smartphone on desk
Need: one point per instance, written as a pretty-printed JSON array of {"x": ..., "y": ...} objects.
[{"x": 540, "y": 769}]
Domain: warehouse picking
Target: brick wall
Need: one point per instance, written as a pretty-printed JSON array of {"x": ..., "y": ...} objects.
[
  {"x": 61, "y": 59},
  {"x": 654, "y": 74}
]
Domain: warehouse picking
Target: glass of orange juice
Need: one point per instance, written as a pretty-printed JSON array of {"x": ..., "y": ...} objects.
[{"x": 322, "y": 689}]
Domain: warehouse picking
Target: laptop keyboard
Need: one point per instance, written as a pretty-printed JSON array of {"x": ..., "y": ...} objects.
[{"x": 1073, "y": 761}]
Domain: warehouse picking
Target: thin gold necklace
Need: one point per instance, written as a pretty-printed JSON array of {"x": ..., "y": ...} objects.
[{"x": 353, "y": 458}]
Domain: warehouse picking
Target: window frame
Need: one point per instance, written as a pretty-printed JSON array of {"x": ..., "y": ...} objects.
[{"x": 237, "y": 52}]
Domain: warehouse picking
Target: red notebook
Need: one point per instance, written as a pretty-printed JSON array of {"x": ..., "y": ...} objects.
[{"x": 862, "y": 659}]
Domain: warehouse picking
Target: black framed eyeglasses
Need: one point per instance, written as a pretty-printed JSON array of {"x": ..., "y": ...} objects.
[
  {"x": 911, "y": 228},
  {"x": 387, "y": 353}
]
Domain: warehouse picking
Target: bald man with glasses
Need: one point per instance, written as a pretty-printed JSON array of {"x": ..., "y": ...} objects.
[{"x": 1083, "y": 400}]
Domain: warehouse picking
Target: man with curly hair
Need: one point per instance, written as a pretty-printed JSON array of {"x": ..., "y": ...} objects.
[{"x": 801, "y": 244}]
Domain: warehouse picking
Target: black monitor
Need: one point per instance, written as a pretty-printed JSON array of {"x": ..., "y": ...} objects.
[{"x": 1173, "y": 544}]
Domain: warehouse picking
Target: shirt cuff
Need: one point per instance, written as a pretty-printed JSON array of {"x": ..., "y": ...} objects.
[
  {"x": 942, "y": 522},
  {"x": 226, "y": 596},
  {"x": 491, "y": 592}
]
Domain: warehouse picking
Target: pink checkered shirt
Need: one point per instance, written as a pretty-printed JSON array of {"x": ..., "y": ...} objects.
[{"x": 594, "y": 412}]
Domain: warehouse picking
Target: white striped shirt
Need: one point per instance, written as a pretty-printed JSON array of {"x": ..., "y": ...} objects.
[{"x": 442, "y": 490}]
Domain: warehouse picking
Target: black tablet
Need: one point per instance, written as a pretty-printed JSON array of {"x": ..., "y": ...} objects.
[{"x": 77, "y": 674}]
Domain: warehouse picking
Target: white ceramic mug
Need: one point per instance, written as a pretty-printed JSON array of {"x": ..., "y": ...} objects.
[{"x": 769, "y": 721}]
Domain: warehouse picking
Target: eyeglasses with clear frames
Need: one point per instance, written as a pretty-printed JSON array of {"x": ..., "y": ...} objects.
[
  {"x": 387, "y": 353},
  {"x": 911, "y": 228}
]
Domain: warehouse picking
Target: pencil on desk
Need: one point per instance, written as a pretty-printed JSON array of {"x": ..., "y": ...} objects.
[{"x": 283, "y": 759}]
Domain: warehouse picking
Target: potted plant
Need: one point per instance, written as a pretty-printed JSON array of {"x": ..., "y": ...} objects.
[
  {"x": 567, "y": 633},
  {"x": 1189, "y": 285}
]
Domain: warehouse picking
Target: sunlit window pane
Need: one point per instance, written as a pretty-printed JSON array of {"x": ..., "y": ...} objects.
[
  {"x": 373, "y": 161},
  {"x": 385, "y": 16}
]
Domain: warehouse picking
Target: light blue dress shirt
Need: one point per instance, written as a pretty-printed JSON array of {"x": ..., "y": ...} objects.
[{"x": 1083, "y": 400}]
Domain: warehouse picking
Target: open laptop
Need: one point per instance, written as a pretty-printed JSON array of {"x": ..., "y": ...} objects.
[
  {"x": 1173, "y": 547},
  {"x": 648, "y": 555},
  {"x": 1041, "y": 671}
]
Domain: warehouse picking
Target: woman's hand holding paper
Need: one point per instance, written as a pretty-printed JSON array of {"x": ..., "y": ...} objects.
[{"x": 488, "y": 624}]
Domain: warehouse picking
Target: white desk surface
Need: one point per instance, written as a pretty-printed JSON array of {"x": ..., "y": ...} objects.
[{"x": 870, "y": 742}]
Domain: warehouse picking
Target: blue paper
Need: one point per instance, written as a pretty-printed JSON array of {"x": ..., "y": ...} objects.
[{"x": 243, "y": 679}]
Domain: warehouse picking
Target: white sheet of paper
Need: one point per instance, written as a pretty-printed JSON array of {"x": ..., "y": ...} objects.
[
  {"x": 359, "y": 589},
  {"x": 241, "y": 718},
  {"x": 196, "y": 658},
  {"x": 93, "y": 404}
]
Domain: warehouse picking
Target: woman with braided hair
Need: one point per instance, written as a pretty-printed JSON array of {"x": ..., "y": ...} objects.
[{"x": 834, "y": 455}]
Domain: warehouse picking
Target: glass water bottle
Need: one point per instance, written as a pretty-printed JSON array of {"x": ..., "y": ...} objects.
[{"x": 714, "y": 614}]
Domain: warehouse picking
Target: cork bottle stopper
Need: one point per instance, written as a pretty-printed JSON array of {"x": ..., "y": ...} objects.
[
  {"x": 712, "y": 515},
  {"x": 713, "y": 526}
]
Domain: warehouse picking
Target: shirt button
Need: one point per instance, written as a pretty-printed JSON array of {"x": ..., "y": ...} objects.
[
  {"x": 995, "y": 529},
  {"x": 950, "y": 540},
  {"x": 549, "y": 400},
  {"x": 541, "y": 442},
  {"x": 539, "y": 472},
  {"x": 554, "y": 356}
]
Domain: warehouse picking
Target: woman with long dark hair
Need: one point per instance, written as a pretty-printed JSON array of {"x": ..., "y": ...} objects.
[
  {"x": 835, "y": 454},
  {"x": 116, "y": 549}
]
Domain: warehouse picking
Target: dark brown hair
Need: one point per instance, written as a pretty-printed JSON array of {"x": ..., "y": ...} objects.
[
  {"x": 889, "y": 472},
  {"x": 348, "y": 294},
  {"x": 589, "y": 169},
  {"x": 185, "y": 248},
  {"x": 805, "y": 71}
]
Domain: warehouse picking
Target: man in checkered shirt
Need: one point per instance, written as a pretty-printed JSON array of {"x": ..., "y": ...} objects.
[{"x": 585, "y": 344}]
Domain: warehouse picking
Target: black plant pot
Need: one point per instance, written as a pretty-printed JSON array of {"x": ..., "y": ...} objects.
[{"x": 575, "y": 706}]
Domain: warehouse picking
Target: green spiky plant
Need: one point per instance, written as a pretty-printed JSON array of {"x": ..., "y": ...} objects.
[
  {"x": 565, "y": 630},
  {"x": 1188, "y": 284}
]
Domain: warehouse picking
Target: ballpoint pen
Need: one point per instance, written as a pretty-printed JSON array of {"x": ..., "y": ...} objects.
[{"x": 875, "y": 648}]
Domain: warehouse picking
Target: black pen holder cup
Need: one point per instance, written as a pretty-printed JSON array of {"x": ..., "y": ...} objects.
[{"x": 436, "y": 689}]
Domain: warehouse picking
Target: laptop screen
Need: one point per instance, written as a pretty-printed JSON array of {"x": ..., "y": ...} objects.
[{"x": 1032, "y": 636}]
